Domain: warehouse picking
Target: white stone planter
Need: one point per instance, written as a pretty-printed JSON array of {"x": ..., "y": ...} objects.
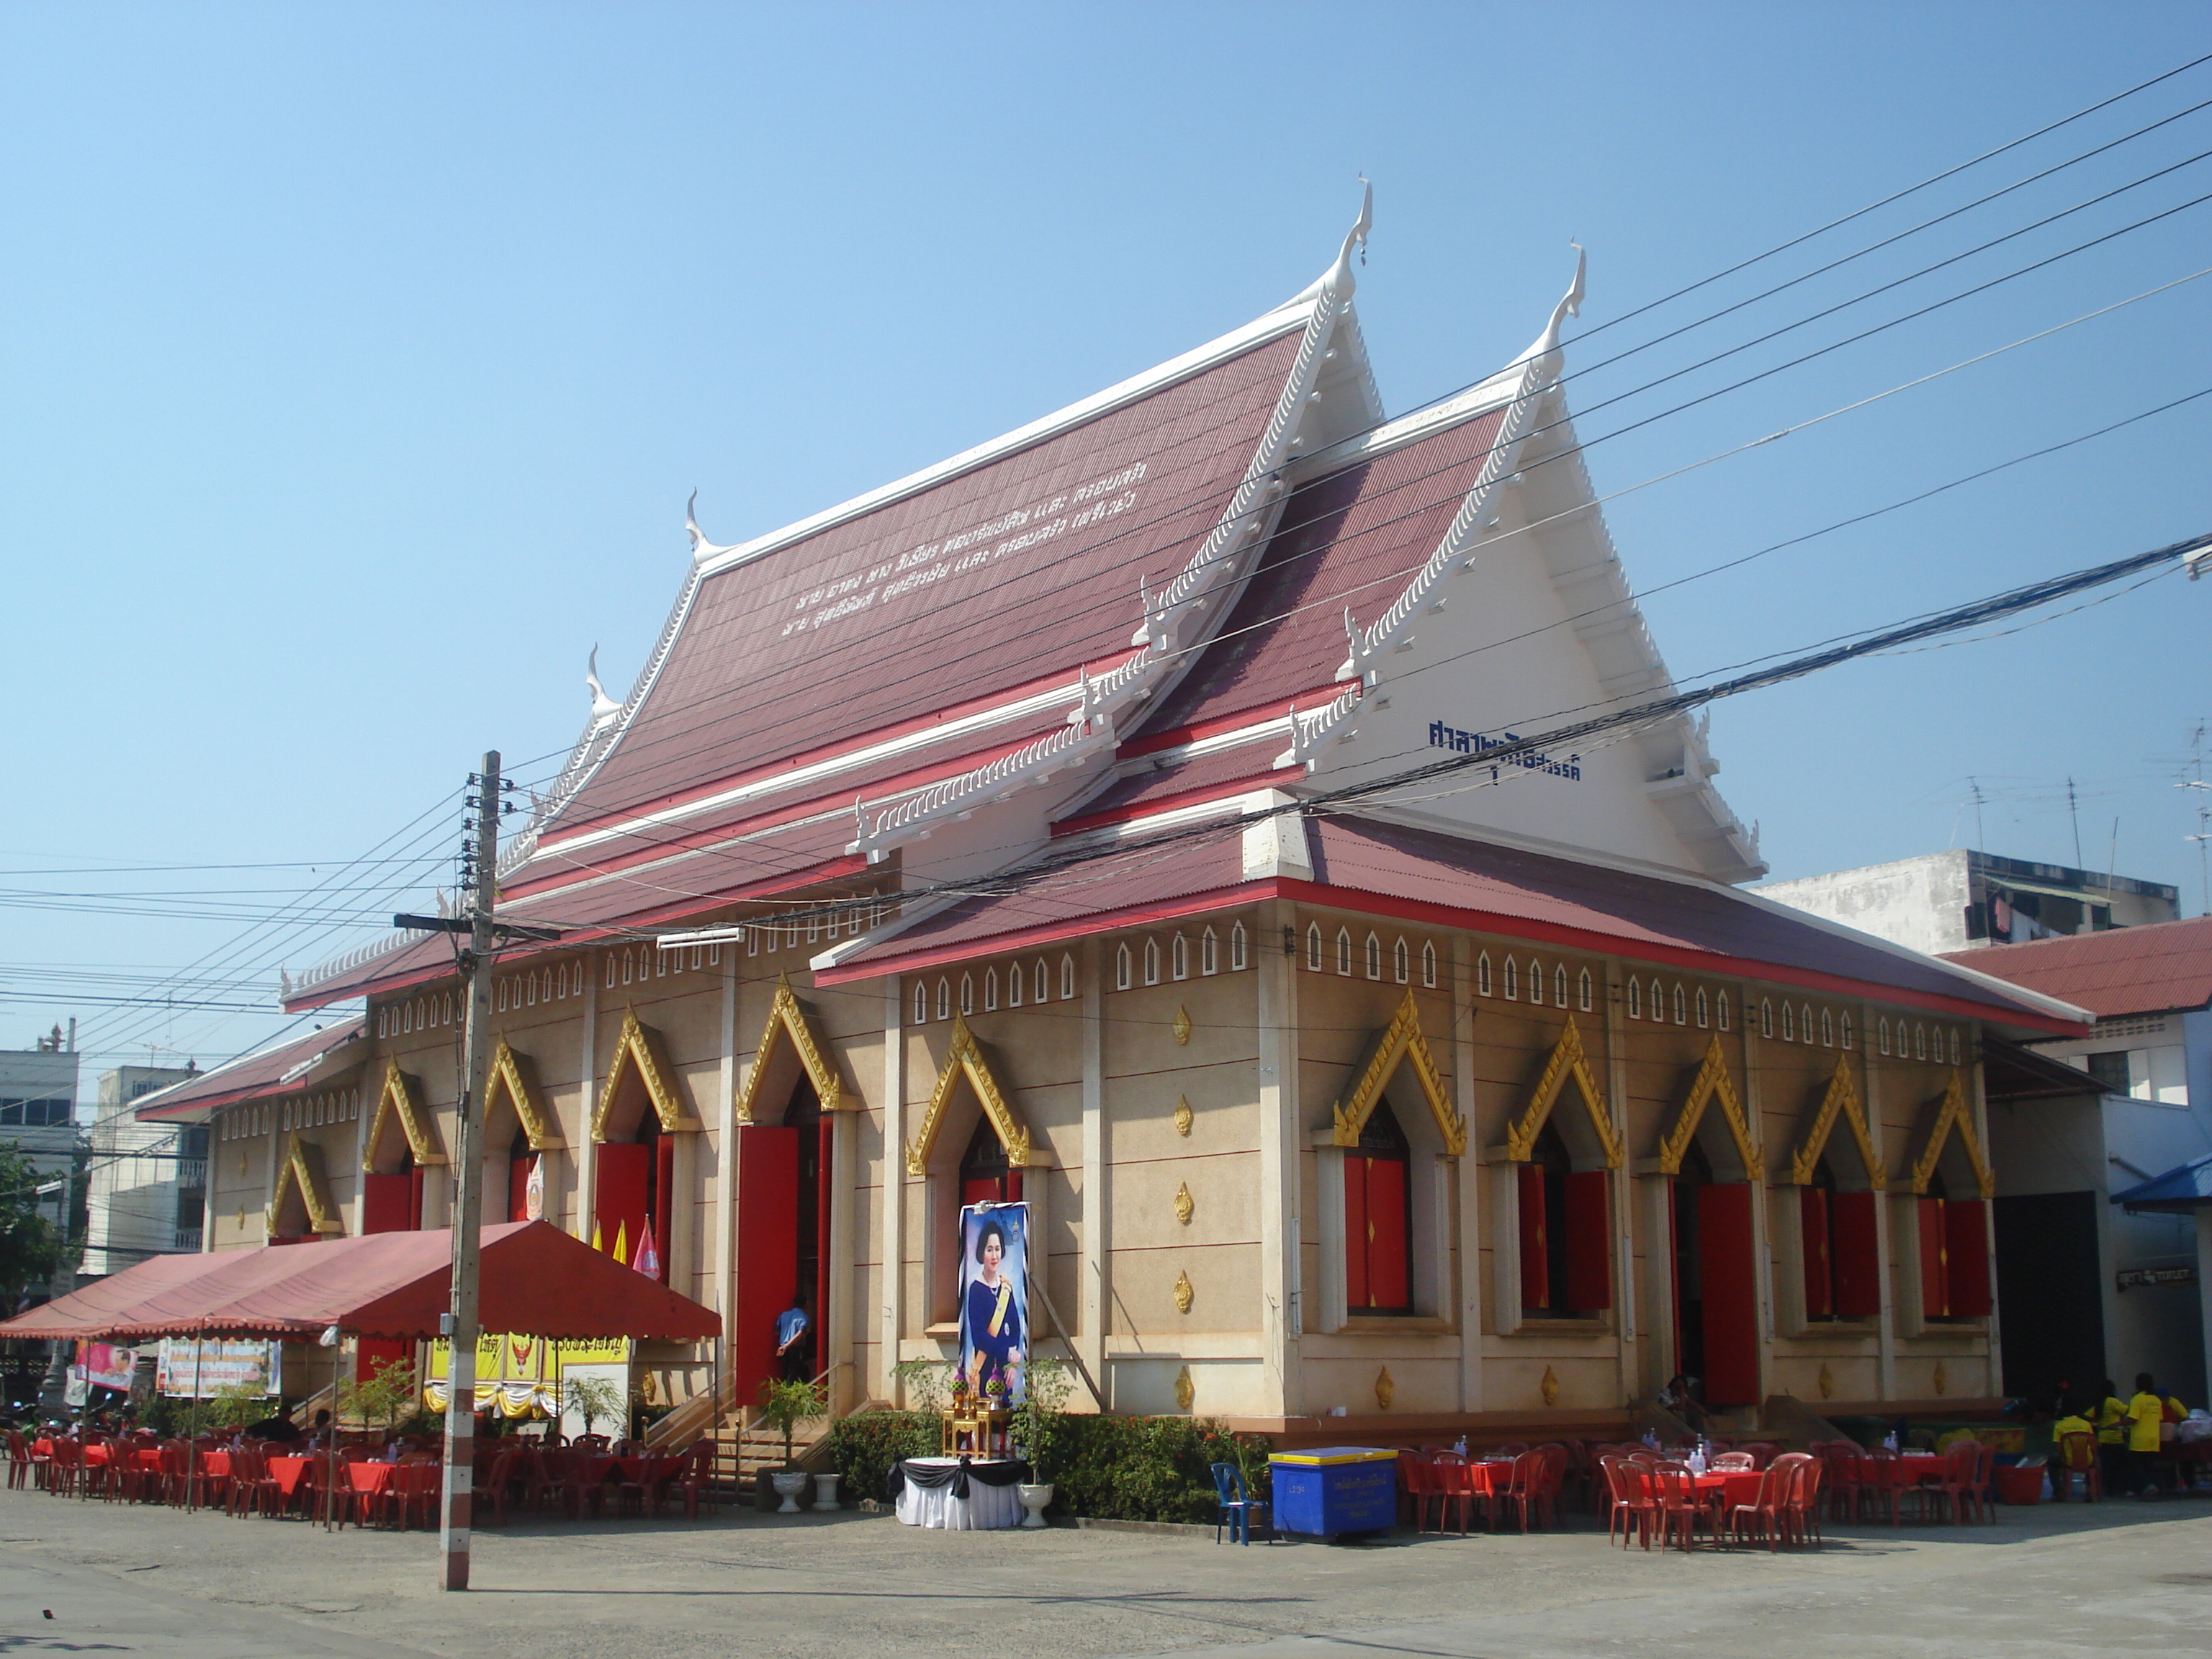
[
  {"x": 1034, "y": 1499},
  {"x": 825, "y": 1490},
  {"x": 788, "y": 1484}
]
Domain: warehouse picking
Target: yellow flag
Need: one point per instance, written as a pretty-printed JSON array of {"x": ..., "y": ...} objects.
[
  {"x": 621, "y": 1242},
  {"x": 598, "y": 1244}
]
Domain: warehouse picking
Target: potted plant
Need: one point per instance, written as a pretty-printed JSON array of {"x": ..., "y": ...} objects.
[
  {"x": 783, "y": 1406},
  {"x": 592, "y": 1398},
  {"x": 1037, "y": 1433}
]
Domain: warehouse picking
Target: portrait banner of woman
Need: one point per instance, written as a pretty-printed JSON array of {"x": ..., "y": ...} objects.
[{"x": 994, "y": 1295}]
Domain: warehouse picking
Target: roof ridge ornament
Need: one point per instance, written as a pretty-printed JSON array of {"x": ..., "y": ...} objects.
[
  {"x": 702, "y": 549},
  {"x": 604, "y": 708},
  {"x": 1337, "y": 283},
  {"x": 1571, "y": 305}
]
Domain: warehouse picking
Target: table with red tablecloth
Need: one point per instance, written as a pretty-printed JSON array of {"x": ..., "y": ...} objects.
[
  {"x": 590, "y": 1470},
  {"x": 1727, "y": 1488}
]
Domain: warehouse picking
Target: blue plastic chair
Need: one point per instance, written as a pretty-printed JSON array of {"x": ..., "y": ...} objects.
[{"x": 1236, "y": 1507}]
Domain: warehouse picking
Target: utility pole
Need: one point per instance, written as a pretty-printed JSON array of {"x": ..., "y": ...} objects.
[{"x": 486, "y": 933}]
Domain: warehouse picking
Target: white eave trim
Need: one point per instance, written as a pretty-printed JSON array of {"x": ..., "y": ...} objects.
[{"x": 1283, "y": 320}]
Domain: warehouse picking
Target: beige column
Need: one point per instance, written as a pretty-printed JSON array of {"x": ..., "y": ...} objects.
[
  {"x": 1762, "y": 1232},
  {"x": 1091, "y": 1314},
  {"x": 1621, "y": 1211},
  {"x": 1468, "y": 1173},
  {"x": 1281, "y": 1311},
  {"x": 1884, "y": 1254},
  {"x": 840, "y": 1272},
  {"x": 891, "y": 1252},
  {"x": 1994, "y": 1355},
  {"x": 725, "y": 1245},
  {"x": 587, "y": 1071}
]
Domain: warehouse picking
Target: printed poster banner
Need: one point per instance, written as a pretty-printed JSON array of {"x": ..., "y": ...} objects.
[
  {"x": 995, "y": 1289},
  {"x": 103, "y": 1366},
  {"x": 508, "y": 1359},
  {"x": 197, "y": 1370}
]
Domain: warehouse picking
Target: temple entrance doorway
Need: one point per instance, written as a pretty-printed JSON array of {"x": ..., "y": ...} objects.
[
  {"x": 1716, "y": 1287},
  {"x": 783, "y": 1222}
]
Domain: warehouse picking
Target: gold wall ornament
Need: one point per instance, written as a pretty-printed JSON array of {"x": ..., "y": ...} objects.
[
  {"x": 514, "y": 1076},
  {"x": 241, "y": 1165},
  {"x": 1827, "y": 1382},
  {"x": 788, "y": 1046},
  {"x": 241, "y": 1217},
  {"x": 1942, "y": 1378},
  {"x": 1951, "y": 1117},
  {"x": 1186, "y": 1390},
  {"x": 1549, "y": 1388},
  {"x": 1841, "y": 1100},
  {"x": 398, "y": 1099},
  {"x": 1184, "y": 1204},
  {"x": 1569, "y": 1062},
  {"x": 638, "y": 1050},
  {"x": 1400, "y": 1044},
  {"x": 1711, "y": 1083},
  {"x": 965, "y": 1061},
  {"x": 300, "y": 1175},
  {"x": 1385, "y": 1389},
  {"x": 1184, "y": 1296},
  {"x": 1183, "y": 1025},
  {"x": 1183, "y": 1115}
]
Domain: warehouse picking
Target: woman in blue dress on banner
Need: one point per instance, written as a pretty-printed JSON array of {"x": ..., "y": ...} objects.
[{"x": 996, "y": 1336}]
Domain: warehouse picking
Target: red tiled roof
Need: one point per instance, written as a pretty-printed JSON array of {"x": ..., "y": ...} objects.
[
  {"x": 2128, "y": 970},
  {"x": 288, "y": 1068},
  {"x": 1419, "y": 875},
  {"x": 739, "y": 690}
]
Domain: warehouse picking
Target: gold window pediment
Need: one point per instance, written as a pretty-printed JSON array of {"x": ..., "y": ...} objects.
[
  {"x": 1952, "y": 1118},
  {"x": 300, "y": 1175},
  {"x": 965, "y": 1061},
  {"x": 1711, "y": 1083},
  {"x": 1841, "y": 1100},
  {"x": 638, "y": 1053},
  {"x": 789, "y": 1025},
  {"x": 1568, "y": 1063},
  {"x": 400, "y": 1098},
  {"x": 1398, "y": 1043},
  {"x": 514, "y": 1077}
]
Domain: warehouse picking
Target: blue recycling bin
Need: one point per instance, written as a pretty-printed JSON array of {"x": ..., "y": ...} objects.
[{"x": 1335, "y": 1489}]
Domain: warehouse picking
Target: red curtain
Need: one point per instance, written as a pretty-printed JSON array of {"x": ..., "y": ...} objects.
[
  {"x": 518, "y": 1187},
  {"x": 1858, "y": 1256},
  {"x": 824, "y": 1189},
  {"x": 619, "y": 1201},
  {"x": 1535, "y": 1262},
  {"x": 1966, "y": 1240},
  {"x": 1935, "y": 1274},
  {"x": 663, "y": 1200},
  {"x": 1820, "y": 1282},
  {"x": 1731, "y": 1295},
  {"x": 1589, "y": 1241},
  {"x": 767, "y": 1249},
  {"x": 387, "y": 1203}
]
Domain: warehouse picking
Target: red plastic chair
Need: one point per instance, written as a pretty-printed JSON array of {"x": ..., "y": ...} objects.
[
  {"x": 1628, "y": 1485},
  {"x": 1450, "y": 1481},
  {"x": 1804, "y": 1500},
  {"x": 19, "y": 1461},
  {"x": 2077, "y": 1454},
  {"x": 1735, "y": 1459},
  {"x": 1762, "y": 1452},
  {"x": 1677, "y": 1507},
  {"x": 1765, "y": 1512},
  {"x": 1954, "y": 1489},
  {"x": 1523, "y": 1491},
  {"x": 696, "y": 1482}
]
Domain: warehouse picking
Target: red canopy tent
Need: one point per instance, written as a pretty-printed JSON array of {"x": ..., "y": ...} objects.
[{"x": 534, "y": 1278}]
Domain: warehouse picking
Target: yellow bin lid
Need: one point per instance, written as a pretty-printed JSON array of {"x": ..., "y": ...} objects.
[{"x": 1325, "y": 1455}]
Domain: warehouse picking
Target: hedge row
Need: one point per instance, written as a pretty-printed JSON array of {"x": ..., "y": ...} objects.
[{"x": 1120, "y": 1468}]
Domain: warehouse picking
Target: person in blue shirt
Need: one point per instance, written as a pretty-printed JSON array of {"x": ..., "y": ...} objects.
[{"x": 793, "y": 1345}]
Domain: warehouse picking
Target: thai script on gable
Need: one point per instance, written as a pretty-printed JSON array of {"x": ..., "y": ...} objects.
[
  {"x": 1476, "y": 743},
  {"x": 1014, "y": 531}
]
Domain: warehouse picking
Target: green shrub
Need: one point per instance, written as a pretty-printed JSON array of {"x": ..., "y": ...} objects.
[
  {"x": 1149, "y": 1468},
  {"x": 865, "y": 1446}
]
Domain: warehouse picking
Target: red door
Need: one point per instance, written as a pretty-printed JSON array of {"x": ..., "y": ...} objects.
[
  {"x": 767, "y": 1250},
  {"x": 1725, "y": 1271},
  {"x": 1390, "y": 1285},
  {"x": 387, "y": 1203}
]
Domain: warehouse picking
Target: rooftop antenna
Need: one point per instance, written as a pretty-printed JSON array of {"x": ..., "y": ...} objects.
[
  {"x": 2203, "y": 836},
  {"x": 2077, "y": 817},
  {"x": 1981, "y": 840}
]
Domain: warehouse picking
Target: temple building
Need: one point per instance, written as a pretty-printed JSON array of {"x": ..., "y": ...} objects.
[{"x": 1037, "y": 827}]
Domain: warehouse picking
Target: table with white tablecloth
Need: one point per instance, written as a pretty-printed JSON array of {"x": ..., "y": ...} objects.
[{"x": 986, "y": 1506}]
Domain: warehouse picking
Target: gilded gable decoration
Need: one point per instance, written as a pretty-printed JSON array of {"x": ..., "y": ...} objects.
[
  {"x": 513, "y": 1075},
  {"x": 1841, "y": 1100},
  {"x": 789, "y": 1022},
  {"x": 398, "y": 1097},
  {"x": 965, "y": 1060},
  {"x": 1711, "y": 1083},
  {"x": 1953, "y": 1117},
  {"x": 1399, "y": 1042},
  {"x": 637, "y": 1049},
  {"x": 1569, "y": 1063},
  {"x": 301, "y": 1173}
]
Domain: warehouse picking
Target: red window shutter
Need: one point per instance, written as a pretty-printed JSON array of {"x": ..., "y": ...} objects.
[
  {"x": 1934, "y": 1276},
  {"x": 1536, "y": 1272},
  {"x": 387, "y": 1203},
  {"x": 373, "y": 1353},
  {"x": 518, "y": 1187},
  {"x": 1388, "y": 1282},
  {"x": 625, "y": 1171},
  {"x": 1358, "y": 1288},
  {"x": 1589, "y": 1242},
  {"x": 1731, "y": 1304},
  {"x": 663, "y": 1199},
  {"x": 1812, "y": 1215},
  {"x": 1013, "y": 1179},
  {"x": 1966, "y": 1241},
  {"x": 418, "y": 1181},
  {"x": 767, "y": 1249},
  {"x": 1858, "y": 1258},
  {"x": 982, "y": 1189},
  {"x": 824, "y": 1188}
]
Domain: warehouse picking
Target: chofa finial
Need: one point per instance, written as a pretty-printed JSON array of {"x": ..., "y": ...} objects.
[
  {"x": 604, "y": 708},
  {"x": 1339, "y": 281},
  {"x": 1571, "y": 305},
  {"x": 701, "y": 547}
]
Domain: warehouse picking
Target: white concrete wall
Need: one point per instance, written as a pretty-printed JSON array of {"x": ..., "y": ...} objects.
[{"x": 1919, "y": 902}]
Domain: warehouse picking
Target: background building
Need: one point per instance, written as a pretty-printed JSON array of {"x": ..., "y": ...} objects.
[
  {"x": 1957, "y": 899},
  {"x": 148, "y": 1182}
]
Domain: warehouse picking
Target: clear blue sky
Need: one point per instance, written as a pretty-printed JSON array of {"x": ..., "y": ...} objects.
[{"x": 340, "y": 333}]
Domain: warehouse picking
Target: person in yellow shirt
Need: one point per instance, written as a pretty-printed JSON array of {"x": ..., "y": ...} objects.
[
  {"x": 2145, "y": 1412},
  {"x": 2111, "y": 1417},
  {"x": 2071, "y": 1421}
]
